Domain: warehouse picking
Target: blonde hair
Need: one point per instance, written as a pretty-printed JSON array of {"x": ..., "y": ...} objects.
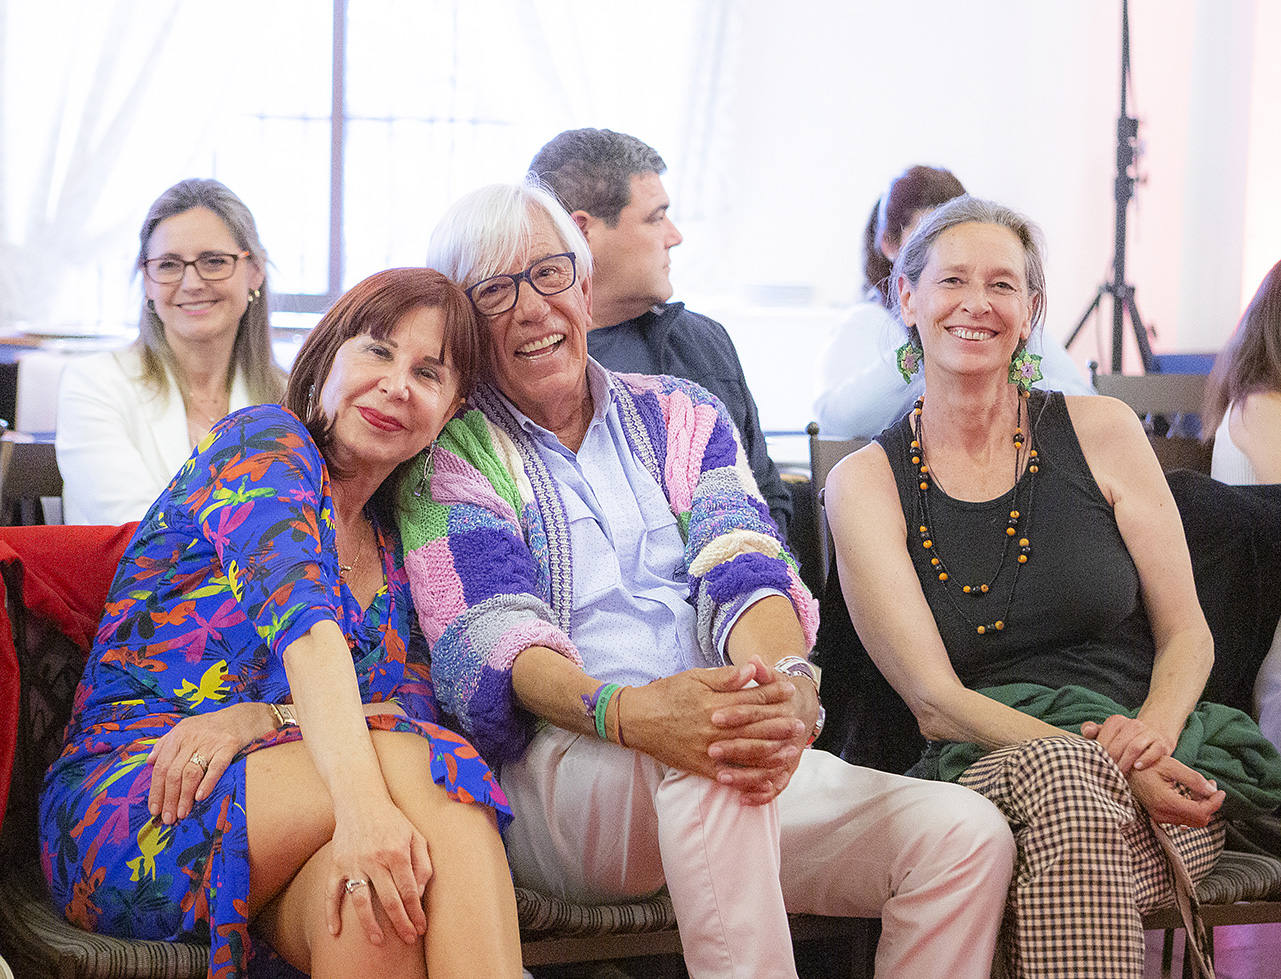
[{"x": 251, "y": 355}]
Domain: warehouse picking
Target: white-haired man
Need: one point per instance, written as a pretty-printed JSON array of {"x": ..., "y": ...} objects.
[{"x": 615, "y": 623}]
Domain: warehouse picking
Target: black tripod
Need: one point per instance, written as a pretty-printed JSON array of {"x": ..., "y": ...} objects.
[{"x": 1122, "y": 293}]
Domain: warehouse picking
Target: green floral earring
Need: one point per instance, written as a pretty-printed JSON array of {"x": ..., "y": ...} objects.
[
  {"x": 909, "y": 357},
  {"x": 1025, "y": 368}
]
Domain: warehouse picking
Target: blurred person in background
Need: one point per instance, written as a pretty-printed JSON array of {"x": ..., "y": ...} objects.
[
  {"x": 128, "y": 419},
  {"x": 863, "y": 389},
  {"x": 1243, "y": 395},
  {"x": 1243, "y": 411},
  {"x": 611, "y": 184}
]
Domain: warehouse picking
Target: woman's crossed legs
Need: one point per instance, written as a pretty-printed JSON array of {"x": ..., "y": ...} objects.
[{"x": 469, "y": 903}]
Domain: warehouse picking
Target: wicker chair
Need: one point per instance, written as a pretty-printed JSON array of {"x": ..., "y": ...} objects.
[
  {"x": 1243, "y": 889},
  {"x": 36, "y": 940},
  {"x": 33, "y": 937},
  {"x": 28, "y": 476}
]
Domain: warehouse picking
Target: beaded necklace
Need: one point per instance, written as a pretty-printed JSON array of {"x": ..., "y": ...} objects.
[{"x": 929, "y": 542}]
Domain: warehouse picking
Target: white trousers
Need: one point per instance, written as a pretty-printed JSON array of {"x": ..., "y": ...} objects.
[{"x": 596, "y": 823}]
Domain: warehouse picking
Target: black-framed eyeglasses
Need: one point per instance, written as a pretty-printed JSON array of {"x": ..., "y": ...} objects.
[
  {"x": 211, "y": 266},
  {"x": 548, "y": 276}
]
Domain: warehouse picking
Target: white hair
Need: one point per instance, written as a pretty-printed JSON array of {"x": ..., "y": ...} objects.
[{"x": 487, "y": 231}]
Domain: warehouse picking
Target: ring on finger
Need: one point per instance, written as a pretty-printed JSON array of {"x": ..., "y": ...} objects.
[
  {"x": 351, "y": 883},
  {"x": 198, "y": 759}
]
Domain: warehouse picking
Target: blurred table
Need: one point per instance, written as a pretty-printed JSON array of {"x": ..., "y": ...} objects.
[{"x": 15, "y": 345}]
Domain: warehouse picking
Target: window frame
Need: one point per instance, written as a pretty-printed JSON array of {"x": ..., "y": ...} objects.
[{"x": 311, "y": 302}]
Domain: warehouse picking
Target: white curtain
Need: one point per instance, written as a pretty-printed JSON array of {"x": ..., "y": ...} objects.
[
  {"x": 446, "y": 95},
  {"x": 95, "y": 97},
  {"x": 780, "y": 127}
]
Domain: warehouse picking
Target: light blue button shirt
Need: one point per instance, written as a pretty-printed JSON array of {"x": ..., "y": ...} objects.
[{"x": 631, "y": 621}]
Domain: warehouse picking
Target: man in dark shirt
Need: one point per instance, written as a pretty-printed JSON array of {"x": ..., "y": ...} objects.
[{"x": 610, "y": 183}]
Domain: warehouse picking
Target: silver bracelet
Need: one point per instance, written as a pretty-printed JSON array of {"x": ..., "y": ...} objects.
[
  {"x": 798, "y": 666},
  {"x": 792, "y": 666}
]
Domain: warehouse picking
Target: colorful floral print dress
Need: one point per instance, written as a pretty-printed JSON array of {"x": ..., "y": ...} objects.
[{"x": 234, "y": 561}]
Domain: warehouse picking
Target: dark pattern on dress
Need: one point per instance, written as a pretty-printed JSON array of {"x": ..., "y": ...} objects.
[{"x": 235, "y": 561}]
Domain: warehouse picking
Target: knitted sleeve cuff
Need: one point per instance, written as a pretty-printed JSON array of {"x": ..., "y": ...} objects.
[{"x": 472, "y": 663}]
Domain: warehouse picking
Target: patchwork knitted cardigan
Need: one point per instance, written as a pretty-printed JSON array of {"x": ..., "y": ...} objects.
[{"x": 487, "y": 548}]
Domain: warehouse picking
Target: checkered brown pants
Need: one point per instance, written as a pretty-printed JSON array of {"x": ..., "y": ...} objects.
[{"x": 1088, "y": 863}]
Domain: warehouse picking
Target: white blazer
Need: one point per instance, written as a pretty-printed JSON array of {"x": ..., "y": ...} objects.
[{"x": 118, "y": 445}]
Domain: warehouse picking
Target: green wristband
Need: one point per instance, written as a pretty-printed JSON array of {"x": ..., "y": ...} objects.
[{"x": 602, "y": 705}]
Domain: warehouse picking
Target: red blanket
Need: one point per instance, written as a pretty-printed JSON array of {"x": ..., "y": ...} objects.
[{"x": 66, "y": 574}]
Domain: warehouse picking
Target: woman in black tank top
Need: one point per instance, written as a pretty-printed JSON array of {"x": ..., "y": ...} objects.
[{"x": 991, "y": 538}]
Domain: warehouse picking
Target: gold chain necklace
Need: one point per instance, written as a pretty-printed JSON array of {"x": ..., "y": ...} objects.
[
  {"x": 205, "y": 418},
  {"x": 346, "y": 569}
]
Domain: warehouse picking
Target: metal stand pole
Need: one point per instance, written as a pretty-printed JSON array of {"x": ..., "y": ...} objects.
[{"x": 1122, "y": 293}]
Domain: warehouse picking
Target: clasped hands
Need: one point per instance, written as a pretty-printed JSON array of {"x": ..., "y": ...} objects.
[
  {"x": 1169, "y": 790},
  {"x": 744, "y": 726}
]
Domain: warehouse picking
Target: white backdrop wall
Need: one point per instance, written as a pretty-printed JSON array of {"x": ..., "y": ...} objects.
[
  {"x": 781, "y": 127},
  {"x": 1263, "y": 188},
  {"x": 1021, "y": 101}
]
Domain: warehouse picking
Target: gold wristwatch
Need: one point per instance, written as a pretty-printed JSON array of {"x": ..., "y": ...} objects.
[{"x": 284, "y": 715}]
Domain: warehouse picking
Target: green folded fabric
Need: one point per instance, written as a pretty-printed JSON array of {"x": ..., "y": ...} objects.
[{"x": 1220, "y": 742}]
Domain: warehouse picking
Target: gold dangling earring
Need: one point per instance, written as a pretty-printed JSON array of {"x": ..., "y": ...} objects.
[
  {"x": 253, "y": 295},
  {"x": 425, "y": 477}
]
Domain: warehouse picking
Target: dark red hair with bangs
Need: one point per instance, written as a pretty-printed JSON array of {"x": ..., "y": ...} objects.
[{"x": 374, "y": 306}]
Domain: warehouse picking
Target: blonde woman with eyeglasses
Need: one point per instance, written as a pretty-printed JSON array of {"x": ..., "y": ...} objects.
[{"x": 128, "y": 419}]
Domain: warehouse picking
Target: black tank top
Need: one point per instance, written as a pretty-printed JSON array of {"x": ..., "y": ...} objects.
[{"x": 1076, "y": 616}]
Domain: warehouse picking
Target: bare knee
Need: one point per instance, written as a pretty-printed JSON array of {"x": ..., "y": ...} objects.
[
  {"x": 296, "y": 924},
  {"x": 405, "y": 760}
]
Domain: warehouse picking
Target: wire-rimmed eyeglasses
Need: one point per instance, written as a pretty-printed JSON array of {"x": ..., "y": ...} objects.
[
  {"x": 211, "y": 266},
  {"x": 548, "y": 276}
]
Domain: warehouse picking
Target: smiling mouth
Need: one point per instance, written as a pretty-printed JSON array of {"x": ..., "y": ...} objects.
[
  {"x": 541, "y": 347},
  {"x": 198, "y": 306},
  {"x": 380, "y": 421},
  {"x": 966, "y": 333}
]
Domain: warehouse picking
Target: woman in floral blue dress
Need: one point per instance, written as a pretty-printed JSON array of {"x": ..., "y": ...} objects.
[{"x": 249, "y": 752}]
